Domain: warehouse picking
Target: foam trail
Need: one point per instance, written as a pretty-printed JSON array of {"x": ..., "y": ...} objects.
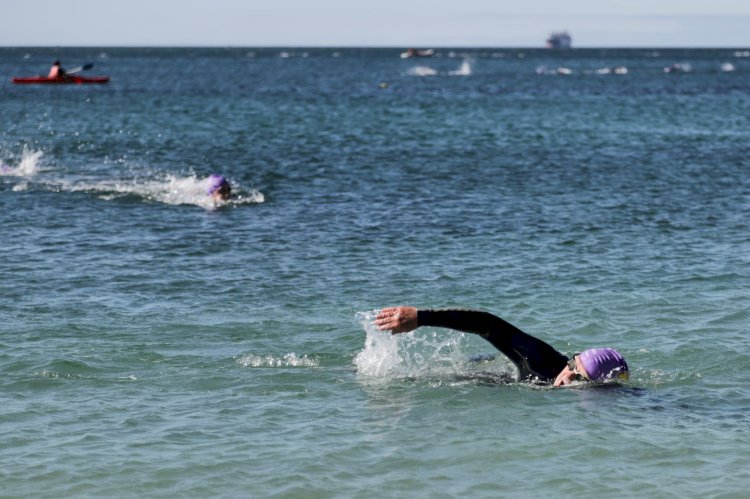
[
  {"x": 288, "y": 360},
  {"x": 172, "y": 190},
  {"x": 169, "y": 189}
]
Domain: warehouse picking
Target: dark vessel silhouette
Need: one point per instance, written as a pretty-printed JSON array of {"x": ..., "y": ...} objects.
[{"x": 559, "y": 40}]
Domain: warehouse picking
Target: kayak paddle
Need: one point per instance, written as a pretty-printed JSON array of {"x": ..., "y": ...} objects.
[{"x": 79, "y": 69}]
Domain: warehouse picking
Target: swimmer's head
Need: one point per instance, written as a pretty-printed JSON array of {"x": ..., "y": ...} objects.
[
  {"x": 218, "y": 187},
  {"x": 594, "y": 364},
  {"x": 601, "y": 364}
]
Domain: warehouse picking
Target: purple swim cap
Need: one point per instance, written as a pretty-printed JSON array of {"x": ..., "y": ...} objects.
[
  {"x": 215, "y": 182},
  {"x": 603, "y": 364}
]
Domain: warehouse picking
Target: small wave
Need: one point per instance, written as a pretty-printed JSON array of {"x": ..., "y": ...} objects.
[
  {"x": 288, "y": 360},
  {"x": 288, "y": 55},
  {"x": 561, "y": 70},
  {"x": 28, "y": 166},
  {"x": 56, "y": 375}
]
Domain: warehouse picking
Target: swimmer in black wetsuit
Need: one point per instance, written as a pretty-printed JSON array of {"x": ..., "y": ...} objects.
[{"x": 536, "y": 360}]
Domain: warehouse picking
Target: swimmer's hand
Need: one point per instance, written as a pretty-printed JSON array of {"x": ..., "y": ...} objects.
[{"x": 397, "y": 319}]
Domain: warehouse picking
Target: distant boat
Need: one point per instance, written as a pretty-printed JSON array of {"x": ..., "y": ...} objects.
[
  {"x": 559, "y": 40},
  {"x": 417, "y": 53}
]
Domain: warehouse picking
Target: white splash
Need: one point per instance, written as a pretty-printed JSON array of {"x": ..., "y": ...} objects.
[
  {"x": 561, "y": 70},
  {"x": 463, "y": 70},
  {"x": 172, "y": 190},
  {"x": 28, "y": 166},
  {"x": 380, "y": 356},
  {"x": 618, "y": 70},
  {"x": 422, "y": 71},
  {"x": 411, "y": 355},
  {"x": 167, "y": 189},
  {"x": 288, "y": 360}
]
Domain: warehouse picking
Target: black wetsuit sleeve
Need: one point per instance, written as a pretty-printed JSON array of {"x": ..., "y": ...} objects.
[{"x": 533, "y": 357}]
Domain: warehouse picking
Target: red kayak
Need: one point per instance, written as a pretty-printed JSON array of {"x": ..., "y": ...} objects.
[{"x": 70, "y": 79}]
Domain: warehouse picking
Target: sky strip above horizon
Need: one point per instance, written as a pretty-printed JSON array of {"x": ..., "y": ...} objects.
[{"x": 421, "y": 23}]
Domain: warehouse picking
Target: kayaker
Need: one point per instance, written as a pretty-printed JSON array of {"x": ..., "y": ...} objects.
[
  {"x": 56, "y": 71},
  {"x": 536, "y": 361},
  {"x": 218, "y": 188}
]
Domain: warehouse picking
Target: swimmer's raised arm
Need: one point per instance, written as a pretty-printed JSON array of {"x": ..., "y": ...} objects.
[
  {"x": 397, "y": 319},
  {"x": 403, "y": 319},
  {"x": 533, "y": 357}
]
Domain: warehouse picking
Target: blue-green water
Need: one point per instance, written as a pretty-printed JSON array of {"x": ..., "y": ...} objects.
[{"x": 153, "y": 344}]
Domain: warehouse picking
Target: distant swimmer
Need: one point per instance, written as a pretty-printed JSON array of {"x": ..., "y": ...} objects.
[
  {"x": 678, "y": 68},
  {"x": 218, "y": 188},
  {"x": 536, "y": 360},
  {"x": 57, "y": 71}
]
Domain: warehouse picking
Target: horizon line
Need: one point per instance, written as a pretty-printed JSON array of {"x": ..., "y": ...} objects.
[{"x": 389, "y": 46}]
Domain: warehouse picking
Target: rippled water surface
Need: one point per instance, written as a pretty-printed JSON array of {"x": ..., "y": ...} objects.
[{"x": 155, "y": 343}]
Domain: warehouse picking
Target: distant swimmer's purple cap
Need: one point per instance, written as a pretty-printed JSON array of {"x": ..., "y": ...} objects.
[
  {"x": 604, "y": 363},
  {"x": 216, "y": 182}
]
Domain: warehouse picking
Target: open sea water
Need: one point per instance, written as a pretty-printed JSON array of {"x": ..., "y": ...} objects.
[{"x": 155, "y": 344}]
